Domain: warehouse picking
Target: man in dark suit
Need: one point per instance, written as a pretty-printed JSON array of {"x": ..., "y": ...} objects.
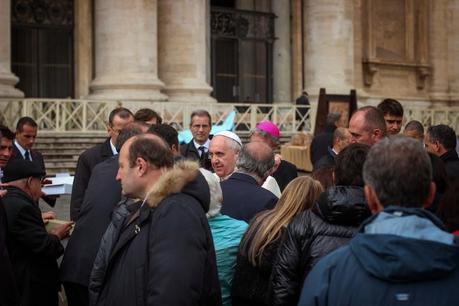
[
  {"x": 198, "y": 147},
  {"x": 33, "y": 251},
  {"x": 25, "y": 136},
  {"x": 243, "y": 196},
  {"x": 118, "y": 119},
  {"x": 441, "y": 140},
  {"x": 321, "y": 142},
  {"x": 268, "y": 132},
  {"x": 341, "y": 138},
  {"x": 101, "y": 197},
  {"x": 8, "y": 292}
]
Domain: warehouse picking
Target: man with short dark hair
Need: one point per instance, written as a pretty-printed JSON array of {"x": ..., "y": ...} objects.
[
  {"x": 33, "y": 251},
  {"x": 118, "y": 119},
  {"x": 162, "y": 252},
  {"x": 25, "y": 136},
  {"x": 414, "y": 129},
  {"x": 243, "y": 196},
  {"x": 198, "y": 147},
  {"x": 367, "y": 126},
  {"x": 170, "y": 135},
  {"x": 6, "y": 146},
  {"x": 403, "y": 254},
  {"x": 148, "y": 116},
  {"x": 441, "y": 141},
  {"x": 393, "y": 115}
]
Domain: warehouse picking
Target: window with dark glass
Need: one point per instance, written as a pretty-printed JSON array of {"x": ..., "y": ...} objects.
[{"x": 42, "y": 47}]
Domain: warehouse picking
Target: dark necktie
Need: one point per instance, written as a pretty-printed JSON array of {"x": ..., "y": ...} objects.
[
  {"x": 202, "y": 154},
  {"x": 27, "y": 155}
]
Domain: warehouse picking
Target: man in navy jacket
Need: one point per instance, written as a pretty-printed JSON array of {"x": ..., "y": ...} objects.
[{"x": 243, "y": 196}]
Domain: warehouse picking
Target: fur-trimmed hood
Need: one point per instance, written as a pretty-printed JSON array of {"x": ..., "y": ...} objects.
[{"x": 183, "y": 178}]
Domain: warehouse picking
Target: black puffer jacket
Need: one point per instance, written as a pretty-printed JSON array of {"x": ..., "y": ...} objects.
[{"x": 330, "y": 224}]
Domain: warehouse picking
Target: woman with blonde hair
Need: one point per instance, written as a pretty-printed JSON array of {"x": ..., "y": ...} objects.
[{"x": 259, "y": 245}]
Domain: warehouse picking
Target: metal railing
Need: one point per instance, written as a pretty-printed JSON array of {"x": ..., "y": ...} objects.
[{"x": 90, "y": 116}]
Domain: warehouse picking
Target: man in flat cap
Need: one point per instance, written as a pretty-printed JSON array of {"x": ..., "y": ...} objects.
[{"x": 33, "y": 251}]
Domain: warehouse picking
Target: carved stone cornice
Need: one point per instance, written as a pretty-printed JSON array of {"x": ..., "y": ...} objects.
[
  {"x": 242, "y": 24},
  {"x": 372, "y": 66},
  {"x": 42, "y": 12}
]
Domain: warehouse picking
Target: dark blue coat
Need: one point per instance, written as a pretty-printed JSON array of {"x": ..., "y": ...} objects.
[
  {"x": 243, "y": 198},
  {"x": 86, "y": 162},
  {"x": 101, "y": 197},
  {"x": 321, "y": 142},
  {"x": 381, "y": 267},
  {"x": 8, "y": 293}
]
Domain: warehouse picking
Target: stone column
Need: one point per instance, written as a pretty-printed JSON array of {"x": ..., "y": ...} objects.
[
  {"x": 329, "y": 46},
  {"x": 281, "y": 52},
  {"x": 83, "y": 49},
  {"x": 182, "y": 50},
  {"x": 126, "y": 51},
  {"x": 7, "y": 78},
  {"x": 439, "y": 50},
  {"x": 296, "y": 48},
  {"x": 453, "y": 49}
]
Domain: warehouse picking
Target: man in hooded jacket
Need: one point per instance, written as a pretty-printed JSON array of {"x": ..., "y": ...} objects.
[
  {"x": 403, "y": 255},
  {"x": 162, "y": 252}
]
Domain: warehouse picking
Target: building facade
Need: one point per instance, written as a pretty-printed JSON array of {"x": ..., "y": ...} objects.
[{"x": 265, "y": 51}]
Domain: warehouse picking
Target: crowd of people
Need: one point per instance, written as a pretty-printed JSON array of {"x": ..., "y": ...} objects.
[{"x": 220, "y": 222}]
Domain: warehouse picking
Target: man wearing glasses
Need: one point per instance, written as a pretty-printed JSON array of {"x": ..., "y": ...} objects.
[
  {"x": 118, "y": 119},
  {"x": 198, "y": 147},
  {"x": 33, "y": 251}
]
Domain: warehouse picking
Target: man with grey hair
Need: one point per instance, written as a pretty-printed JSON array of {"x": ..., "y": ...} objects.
[
  {"x": 243, "y": 196},
  {"x": 403, "y": 254}
]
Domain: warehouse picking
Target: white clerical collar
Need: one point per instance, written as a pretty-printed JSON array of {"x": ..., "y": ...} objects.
[{"x": 114, "y": 151}]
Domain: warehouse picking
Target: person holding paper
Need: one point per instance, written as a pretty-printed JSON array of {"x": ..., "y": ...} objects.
[{"x": 33, "y": 251}]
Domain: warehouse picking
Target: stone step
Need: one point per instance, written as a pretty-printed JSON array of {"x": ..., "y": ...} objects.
[{"x": 58, "y": 152}]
